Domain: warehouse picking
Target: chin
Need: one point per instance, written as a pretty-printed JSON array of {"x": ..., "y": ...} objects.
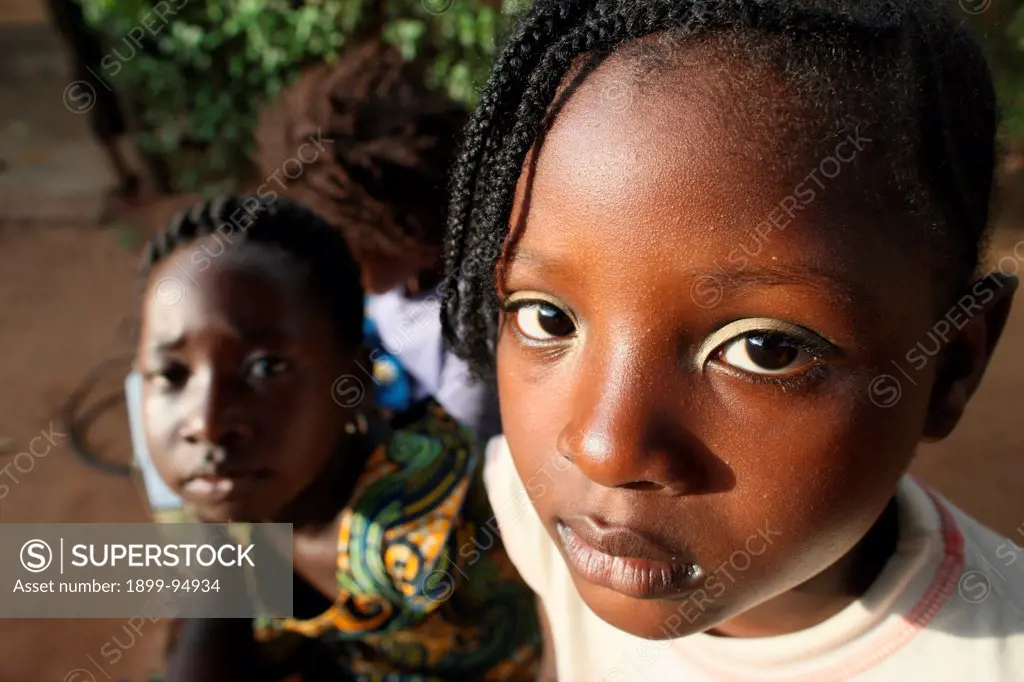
[
  {"x": 229, "y": 513},
  {"x": 655, "y": 619}
]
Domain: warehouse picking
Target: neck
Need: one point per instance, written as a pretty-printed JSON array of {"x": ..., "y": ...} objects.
[{"x": 827, "y": 593}]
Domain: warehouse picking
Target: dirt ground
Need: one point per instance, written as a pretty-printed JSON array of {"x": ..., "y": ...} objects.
[{"x": 65, "y": 296}]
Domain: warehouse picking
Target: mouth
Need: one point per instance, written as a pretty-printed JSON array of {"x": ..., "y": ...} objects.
[
  {"x": 623, "y": 560},
  {"x": 219, "y": 486}
]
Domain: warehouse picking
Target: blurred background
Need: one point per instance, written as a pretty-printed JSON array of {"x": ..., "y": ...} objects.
[{"x": 190, "y": 97}]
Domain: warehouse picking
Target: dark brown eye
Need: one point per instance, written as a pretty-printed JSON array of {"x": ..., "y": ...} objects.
[
  {"x": 766, "y": 353},
  {"x": 173, "y": 375},
  {"x": 543, "y": 321},
  {"x": 268, "y": 366}
]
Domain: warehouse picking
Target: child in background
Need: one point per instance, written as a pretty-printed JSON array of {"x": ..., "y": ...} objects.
[
  {"x": 380, "y": 176},
  {"x": 694, "y": 238},
  {"x": 242, "y": 342}
]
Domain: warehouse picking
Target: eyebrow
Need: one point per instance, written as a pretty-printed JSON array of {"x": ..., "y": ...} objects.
[
  {"x": 733, "y": 279},
  {"x": 768, "y": 275},
  {"x": 165, "y": 346},
  {"x": 252, "y": 335}
]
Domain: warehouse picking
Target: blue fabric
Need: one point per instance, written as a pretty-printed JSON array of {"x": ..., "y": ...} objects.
[{"x": 392, "y": 384}]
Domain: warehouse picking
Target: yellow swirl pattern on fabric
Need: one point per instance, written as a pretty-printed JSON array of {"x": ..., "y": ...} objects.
[{"x": 425, "y": 589}]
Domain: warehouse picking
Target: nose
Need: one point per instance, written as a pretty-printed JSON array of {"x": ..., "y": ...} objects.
[
  {"x": 216, "y": 415},
  {"x": 628, "y": 425}
]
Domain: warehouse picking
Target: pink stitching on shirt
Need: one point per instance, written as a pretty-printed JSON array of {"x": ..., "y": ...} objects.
[{"x": 899, "y": 634}]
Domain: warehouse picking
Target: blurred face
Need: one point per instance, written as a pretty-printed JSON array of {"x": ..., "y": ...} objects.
[
  {"x": 238, "y": 361},
  {"x": 689, "y": 351}
]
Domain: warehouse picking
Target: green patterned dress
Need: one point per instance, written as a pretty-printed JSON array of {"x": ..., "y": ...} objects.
[{"x": 426, "y": 591}]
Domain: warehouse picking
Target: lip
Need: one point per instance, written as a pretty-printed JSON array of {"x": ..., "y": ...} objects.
[
  {"x": 626, "y": 561},
  {"x": 222, "y": 486}
]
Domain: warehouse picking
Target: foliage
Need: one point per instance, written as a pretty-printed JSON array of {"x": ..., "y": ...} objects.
[
  {"x": 198, "y": 71},
  {"x": 1000, "y": 25},
  {"x": 1010, "y": 79}
]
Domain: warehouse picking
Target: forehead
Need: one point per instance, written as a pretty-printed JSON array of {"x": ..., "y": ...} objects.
[
  {"x": 247, "y": 290},
  {"x": 657, "y": 181}
]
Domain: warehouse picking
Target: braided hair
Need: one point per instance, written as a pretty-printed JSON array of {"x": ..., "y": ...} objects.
[
  {"x": 332, "y": 272},
  {"x": 907, "y": 65},
  {"x": 381, "y": 178}
]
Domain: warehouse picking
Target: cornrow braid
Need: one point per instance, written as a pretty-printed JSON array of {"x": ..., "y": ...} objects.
[
  {"x": 333, "y": 273},
  {"x": 933, "y": 78}
]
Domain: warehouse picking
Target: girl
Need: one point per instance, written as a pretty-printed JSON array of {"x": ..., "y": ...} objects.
[
  {"x": 725, "y": 256},
  {"x": 254, "y": 411},
  {"x": 379, "y": 177}
]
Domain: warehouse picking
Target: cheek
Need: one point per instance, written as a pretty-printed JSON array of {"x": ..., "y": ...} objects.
[
  {"x": 816, "y": 469},
  {"x": 834, "y": 436},
  {"x": 534, "y": 404},
  {"x": 161, "y": 416},
  {"x": 299, "y": 410},
  {"x": 305, "y": 417}
]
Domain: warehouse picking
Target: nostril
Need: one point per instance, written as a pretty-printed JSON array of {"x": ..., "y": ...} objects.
[{"x": 643, "y": 486}]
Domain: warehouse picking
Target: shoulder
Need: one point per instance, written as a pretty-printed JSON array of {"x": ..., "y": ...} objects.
[
  {"x": 993, "y": 573},
  {"x": 527, "y": 542},
  {"x": 982, "y": 616},
  {"x": 426, "y": 463},
  {"x": 407, "y": 507}
]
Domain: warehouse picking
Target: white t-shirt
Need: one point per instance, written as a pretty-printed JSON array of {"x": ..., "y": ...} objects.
[{"x": 949, "y": 606}]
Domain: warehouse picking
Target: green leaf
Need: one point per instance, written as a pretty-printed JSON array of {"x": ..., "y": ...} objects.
[
  {"x": 405, "y": 35},
  {"x": 486, "y": 27},
  {"x": 467, "y": 31},
  {"x": 218, "y": 62},
  {"x": 273, "y": 85}
]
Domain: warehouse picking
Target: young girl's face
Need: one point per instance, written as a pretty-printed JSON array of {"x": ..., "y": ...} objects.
[
  {"x": 689, "y": 358},
  {"x": 238, "y": 360}
]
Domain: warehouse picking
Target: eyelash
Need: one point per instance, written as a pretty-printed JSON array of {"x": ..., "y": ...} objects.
[
  {"x": 160, "y": 374},
  {"x": 510, "y": 308},
  {"x": 815, "y": 371}
]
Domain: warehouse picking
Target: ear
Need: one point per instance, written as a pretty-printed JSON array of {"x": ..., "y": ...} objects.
[{"x": 987, "y": 306}]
